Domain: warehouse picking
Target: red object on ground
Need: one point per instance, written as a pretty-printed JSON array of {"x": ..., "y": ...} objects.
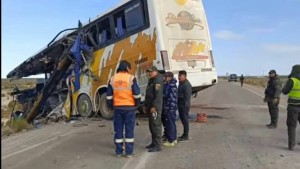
[{"x": 201, "y": 118}]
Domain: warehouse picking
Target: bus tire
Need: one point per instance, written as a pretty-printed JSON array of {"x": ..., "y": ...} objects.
[
  {"x": 84, "y": 105},
  {"x": 106, "y": 113}
]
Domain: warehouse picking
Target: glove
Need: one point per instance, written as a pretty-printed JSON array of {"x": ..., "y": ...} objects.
[{"x": 275, "y": 101}]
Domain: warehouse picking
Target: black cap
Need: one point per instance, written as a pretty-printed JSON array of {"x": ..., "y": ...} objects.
[
  {"x": 272, "y": 71},
  {"x": 169, "y": 74},
  {"x": 182, "y": 72},
  {"x": 153, "y": 68}
]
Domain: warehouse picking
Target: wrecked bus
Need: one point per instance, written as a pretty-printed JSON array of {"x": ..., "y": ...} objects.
[{"x": 171, "y": 34}]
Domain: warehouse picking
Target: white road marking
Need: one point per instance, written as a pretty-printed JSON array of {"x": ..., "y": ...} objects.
[
  {"x": 38, "y": 144},
  {"x": 252, "y": 91},
  {"x": 141, "y": 162}
]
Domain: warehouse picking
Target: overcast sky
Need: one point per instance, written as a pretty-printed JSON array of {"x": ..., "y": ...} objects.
[{"x": 248, "y": 36}]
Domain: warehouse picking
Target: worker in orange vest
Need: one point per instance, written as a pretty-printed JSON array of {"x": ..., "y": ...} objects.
[{"x": 123, "y": 95}]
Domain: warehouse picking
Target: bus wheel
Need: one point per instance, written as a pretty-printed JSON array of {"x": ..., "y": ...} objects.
[
  {"x": 104, "y": 110},
  {"x": 84, "y": 105}
]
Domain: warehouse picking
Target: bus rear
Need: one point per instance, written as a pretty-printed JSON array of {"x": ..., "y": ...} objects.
[{"x": 187, "y": 41}]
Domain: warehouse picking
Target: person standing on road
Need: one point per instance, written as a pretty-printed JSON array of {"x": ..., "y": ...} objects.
[
  {"x": 153, "y": 107},
  {"x": 292, "y": 87},
  {"x": 272, "y": 94},
  {"x": 123, "y": 95},
  {"x": 242, "y": 80},
  {"x": 184, "y": 102},
  {"x": 170, "y": 108}
]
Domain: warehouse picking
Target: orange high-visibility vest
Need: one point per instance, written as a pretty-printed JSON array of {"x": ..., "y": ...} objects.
[{"x": 122, "y": 92}]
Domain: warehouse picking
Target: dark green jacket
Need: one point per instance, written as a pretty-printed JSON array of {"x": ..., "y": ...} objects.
[
  {"x": 273, "y": 89},
  {"x": 184, "y": 95},
  {"x": 154, "y": 93}
]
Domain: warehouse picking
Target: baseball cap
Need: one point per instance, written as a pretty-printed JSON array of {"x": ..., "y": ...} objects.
[
  {"x": 272, "y": 71},
  {"x": 153, "y": 68},
  {"x": 169, "y": 74}
]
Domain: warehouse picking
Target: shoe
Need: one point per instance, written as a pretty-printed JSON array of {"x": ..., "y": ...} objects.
[
  {"x": 118, "y": 155},
  {"x": 272, "y": 126},
  {"x": 129, "y": 155},
  {"x": 175, "y": 142},
  {"x": 149, "y": 146},
  {"x": 183, "y": 139},
  {"x": 268, "y": 125},
  {"x": 291, "y": 148},
  {"x": 169, "y": 144},
  {"x": 165, "y": 139},
  {"x": 154, "y": 149}
]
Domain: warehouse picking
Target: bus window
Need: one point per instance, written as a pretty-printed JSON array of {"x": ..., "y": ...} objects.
[
  {"x": 129, "y": 19},
  {"x": 93, "y": 33},
  {"x": 120, "y": 23},
  {"x": 104, "y": 33},
  {"x": 134, "y": 17}
]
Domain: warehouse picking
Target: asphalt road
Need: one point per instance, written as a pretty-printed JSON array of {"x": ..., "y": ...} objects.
[{"x": 235, "y": 137}]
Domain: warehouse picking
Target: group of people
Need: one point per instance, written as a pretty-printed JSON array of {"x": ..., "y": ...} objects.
[
  {"x": 162, "y": 101},
  {"x": 272, "y": 97}
]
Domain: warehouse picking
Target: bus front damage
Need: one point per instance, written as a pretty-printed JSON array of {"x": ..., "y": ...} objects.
[{"x": 61, "y": 62}]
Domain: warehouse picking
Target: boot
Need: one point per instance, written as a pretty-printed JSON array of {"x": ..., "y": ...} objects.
[{"x": 150, "y": 146}]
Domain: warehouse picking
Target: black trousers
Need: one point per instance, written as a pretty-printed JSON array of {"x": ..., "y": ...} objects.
[
  {"x": 184, "y": 117},
  {"x": 293, "y": 117},
  {"x": 274, "y": 111}
]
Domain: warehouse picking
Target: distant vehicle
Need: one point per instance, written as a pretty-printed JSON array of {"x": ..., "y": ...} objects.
[{"x": 232, "y": 77}]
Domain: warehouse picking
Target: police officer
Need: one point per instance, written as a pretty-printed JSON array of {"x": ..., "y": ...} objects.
[
  {"x": 292, "y": 88},
  {"x": 272, "y": 94},
  {"x": 153, "y": 106},
  {"x": 123, "y": 95},
  {"x": 184, "y": 102}
]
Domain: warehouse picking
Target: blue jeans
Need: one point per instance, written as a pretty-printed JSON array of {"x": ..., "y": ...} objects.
[{"x": 124, "y": 118}]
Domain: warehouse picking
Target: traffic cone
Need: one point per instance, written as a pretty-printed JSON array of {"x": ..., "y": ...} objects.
[{"x": 201, "y": 118}]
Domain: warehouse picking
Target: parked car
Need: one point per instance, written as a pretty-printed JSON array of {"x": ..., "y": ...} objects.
[{"x": 232, "y": 77}]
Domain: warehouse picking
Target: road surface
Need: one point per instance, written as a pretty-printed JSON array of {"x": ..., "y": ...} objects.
[{"x": 235, "y": 137}]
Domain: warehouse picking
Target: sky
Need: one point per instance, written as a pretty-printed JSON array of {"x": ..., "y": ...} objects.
[{"x": 249, "y": 37}]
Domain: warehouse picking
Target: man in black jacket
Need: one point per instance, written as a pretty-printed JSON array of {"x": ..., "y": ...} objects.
[
  {"x": 272, "y": 94},
  {"x": 153, "y": 106},
  {"x": 184, "y": 102},
  {"x": 292, "y": 87}
]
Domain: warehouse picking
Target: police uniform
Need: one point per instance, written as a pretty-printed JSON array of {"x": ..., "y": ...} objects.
[
  {"x": 123, "y": 95},
  {"x": 272, "y": 97},
  {"x": 292, "y": 88},
  {"x": 154, "y": 98}
]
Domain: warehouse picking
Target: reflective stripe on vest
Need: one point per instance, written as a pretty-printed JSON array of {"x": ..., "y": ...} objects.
[
  {"x": 295, "y": 92},
  {"x": 122, "y": 92}
]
